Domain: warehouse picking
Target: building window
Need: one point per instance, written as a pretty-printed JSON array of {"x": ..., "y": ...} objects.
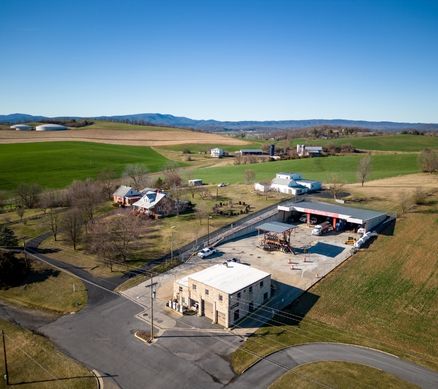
[
  {"x": 261, "y": 284},
  {"x": 238, "y": 295},
  {"x": 206, "y": 292},
  {"x": 251, "y": 307},
  {"x": 194, "y": 286},
  {"x": 236, "y": 315},
  {"x": 265, "y": 296},
  {"x": 221, "y": 298},
  {"x": 250, "y": 289},
  {"x": 180, "y": 289}
]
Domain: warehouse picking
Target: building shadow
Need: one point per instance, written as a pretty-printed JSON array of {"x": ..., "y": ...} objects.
[{"x": 288, "y": 306}]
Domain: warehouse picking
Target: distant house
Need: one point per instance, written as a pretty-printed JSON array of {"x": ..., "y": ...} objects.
[
  {"x": 126, "y": 195},
  {"x": 289, "y": 183},
  {"x": 158, "y": 204},
  {"x": 309, "y": 151},
  {"x": 250, "y": 152},
  {"x": 195, "y": 182},
  {"x": 217, "y": 152}
]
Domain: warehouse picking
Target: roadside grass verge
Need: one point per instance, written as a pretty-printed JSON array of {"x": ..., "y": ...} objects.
[
  {"x": 385, "y": 297},
  {"x": 398, "y": 142},
  {"x": 47, "y": 289},
  {"x": 345, "y": 167},
  {"x": 33, "y": 361},
  {"x": 57, "y": 164},
  {"x": 341, "y": 375}
]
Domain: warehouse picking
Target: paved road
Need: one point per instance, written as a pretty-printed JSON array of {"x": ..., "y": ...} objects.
[
  {"x": 101, "y": 336},
  {"x": 263, "y": 373}
]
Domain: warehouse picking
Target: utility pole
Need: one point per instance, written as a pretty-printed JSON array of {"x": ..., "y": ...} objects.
[
  {"x": 152, "y": 307},
  {"x": 208, "y": 230},
  {"x": 6, "y": 375}
]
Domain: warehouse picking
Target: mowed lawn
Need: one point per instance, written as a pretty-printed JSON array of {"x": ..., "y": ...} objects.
[
  {"x": 34, "y": 362},
  {"x": 340, "y": 375},
  {"x": 57, "y": 164},
  {"x": 345, "y": 167},
  {"x": 384, "y": 297},
  {"x": 399, "y": 142}
]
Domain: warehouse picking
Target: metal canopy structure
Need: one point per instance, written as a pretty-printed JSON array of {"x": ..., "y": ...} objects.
[
  {"x": 276, "y": 227},
  {"x": 276, "y": 236}
]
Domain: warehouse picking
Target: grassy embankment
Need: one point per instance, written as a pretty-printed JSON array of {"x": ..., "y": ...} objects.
[
  {"x": 34, "y": 362},
  {"x": 47, "y": 289},
  {"x": 398, "y": 142},
  {"x": 57, "y": 164},
  {"x": 384, "y": 297},
  {"x": 340, "y": 375},
  {"x": 345, "y": 167}
]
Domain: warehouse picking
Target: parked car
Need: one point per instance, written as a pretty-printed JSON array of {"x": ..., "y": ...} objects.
[
  {"x": 322, "y": 228},
  {"x": 313, "y": 219},
  {"x": 204, "y": 253}
]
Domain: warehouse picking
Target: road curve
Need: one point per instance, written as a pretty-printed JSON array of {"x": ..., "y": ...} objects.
[{"x": 264, "y": 372}]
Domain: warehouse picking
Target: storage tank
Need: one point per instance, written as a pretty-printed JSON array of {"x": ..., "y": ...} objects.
[
  {"x": 22, "y": 127},
  {"x": 51, "y": 127}
]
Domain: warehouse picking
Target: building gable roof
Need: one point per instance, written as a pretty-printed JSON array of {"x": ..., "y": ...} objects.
[
  {"x": 150, "y": 200},
  {"x": 124, "y": 191}
]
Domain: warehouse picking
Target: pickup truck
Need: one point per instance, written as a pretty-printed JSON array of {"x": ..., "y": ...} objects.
[{"x": 204, "y": 253}]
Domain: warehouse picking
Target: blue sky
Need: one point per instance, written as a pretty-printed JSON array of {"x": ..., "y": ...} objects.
[{"x": 227, "y": 60}]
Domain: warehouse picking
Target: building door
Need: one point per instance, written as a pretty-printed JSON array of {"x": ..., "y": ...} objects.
[
  {"x": 208, "y": 310},
  {"x": 236, "y": 315},
  {"x": 221, "y": 319}
]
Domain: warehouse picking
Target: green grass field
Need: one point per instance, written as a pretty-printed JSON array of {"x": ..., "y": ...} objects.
[
  {"x": 340, "y": 375},
  {"x": 57, "y": 164},
  {"x": 385, "y": 297},
  {"x": 381, "y": 142},
  {"x": 383, "y": 165}
]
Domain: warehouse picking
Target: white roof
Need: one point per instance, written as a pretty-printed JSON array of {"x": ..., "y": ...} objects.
[
  {"x": 21, "y": 127},
  {"x": 228, "y": 278},
  {"x": 50, "y": 127},
  {"x": 149, "y": 200}
]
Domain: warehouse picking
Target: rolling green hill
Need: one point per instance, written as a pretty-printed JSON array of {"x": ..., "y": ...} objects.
[
  {"x": 383, "y": 165},
  {"x": 56, "y": 164},
  {"x": 378, "y": 142}
]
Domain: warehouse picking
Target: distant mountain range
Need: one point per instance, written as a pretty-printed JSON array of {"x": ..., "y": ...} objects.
[{"x": 232, "y": 126}]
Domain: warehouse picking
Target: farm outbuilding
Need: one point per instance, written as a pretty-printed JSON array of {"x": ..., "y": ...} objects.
[
  {"x": 355, "y": 217},
  {"x": 195, "y": 182},
  {"x": 51, "y": 127},
  {"x": 22, "y": 127}
]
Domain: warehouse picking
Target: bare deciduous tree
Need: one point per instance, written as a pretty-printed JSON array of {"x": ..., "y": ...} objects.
[
  {"x": 138, "y": 175},
  {"x": 85, "y": 196},
  {"x": 115, "y": 239},
  {"x": 173, "y": 182},
  {"x": 249, "y": 176},
  {"x": 53, "y": 220},
  {"x": 105, "y": 179},
  {"x": 20, "y": 211},
  {"x": 364, "y": 169},
  {"x": 27, "y": 195},
  {"x": 336, "y": 185},
  {"x": 72, "y": 224},
  {"x": 429, "y": 161}
]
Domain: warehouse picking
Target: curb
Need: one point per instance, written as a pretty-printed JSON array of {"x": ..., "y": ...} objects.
[{"x": 99, "y": 379}]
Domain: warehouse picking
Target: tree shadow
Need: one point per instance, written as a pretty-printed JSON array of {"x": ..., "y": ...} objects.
[{"x": 46, "y": 250}]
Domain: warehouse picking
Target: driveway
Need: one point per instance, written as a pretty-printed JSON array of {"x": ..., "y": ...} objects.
[
  {"x": 101, "y": 336},
  {"x": 263, "y": 373}
]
